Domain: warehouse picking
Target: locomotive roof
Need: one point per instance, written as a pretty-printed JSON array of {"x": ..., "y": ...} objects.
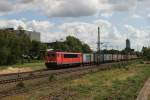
[{"x": 65, "y": 52}]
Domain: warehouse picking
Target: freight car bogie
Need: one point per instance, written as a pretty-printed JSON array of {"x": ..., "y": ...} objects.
[
  {"x": 57, "y": 66},
  {"x": 51, "y": 65}
]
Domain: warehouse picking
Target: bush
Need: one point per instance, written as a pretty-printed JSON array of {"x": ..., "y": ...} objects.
[
  {"x": 141, "y": 62},
  {"x": 12, "y": 46},
  {"x": 126, "y": 89},
  {"x": 146, "y": 53},
  {"x": 51, "y": 77},
  {"x": 20, "y": 85}
]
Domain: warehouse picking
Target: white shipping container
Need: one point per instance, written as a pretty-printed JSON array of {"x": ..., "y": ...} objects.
[
  {"x": 119, "y": 57},
  {"x": 115, "y": 57},
  {"x": 98, "y": 58},
  {"x": 88, "y": 58}
]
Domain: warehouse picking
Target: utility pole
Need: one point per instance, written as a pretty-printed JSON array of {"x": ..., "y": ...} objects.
[
  {"x": 98, "y": 43},
  {"x": 98, "y": 46}
]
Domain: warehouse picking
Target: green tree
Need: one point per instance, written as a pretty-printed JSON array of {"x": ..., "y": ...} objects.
[
  {"x": 72, "y": 44},
  {"x": 36, "y": 49},
  {"x": 86, "y": 48},
  {"x": 146, "y": 53},
  {"x": 13, "y": 46},
  {"x": 14, "y": 49},
  {"x": 10, "y": 47},
  {"x": 25, "y": 42}
]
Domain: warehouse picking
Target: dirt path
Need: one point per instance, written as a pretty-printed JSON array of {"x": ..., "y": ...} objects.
[
  {"x": 145, "y": 91},
  {"x": 14, "y": 70}
]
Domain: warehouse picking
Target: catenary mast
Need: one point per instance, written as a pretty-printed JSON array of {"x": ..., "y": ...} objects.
[{"x": 98, "y": 43}]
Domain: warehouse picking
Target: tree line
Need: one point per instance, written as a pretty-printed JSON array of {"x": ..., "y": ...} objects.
[
  {"x": 16, "y": 48},
  {"x": 71, "y": 44}
]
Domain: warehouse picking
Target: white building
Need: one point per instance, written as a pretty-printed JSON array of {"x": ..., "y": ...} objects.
[{"x": 34, "y": 35}]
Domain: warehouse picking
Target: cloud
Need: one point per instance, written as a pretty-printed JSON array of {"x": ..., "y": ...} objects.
[
  {"x": 12, "y": 23},
  {"x": 13, "y": 6},
  {"x": 5, "y": 7},
  {"x": 87, "y": 32},
  {"x": 148, "y": 16},
  {"x": 107, "y": 15},
  {"x": 25, "y": 1},
  {"x": 123, "y": 5},
  {"x": 136, "y": 16},
  {"x": 138, "y": 36},
  {"x": 78, "y": 8},
  {"x": 135, "y": 32},
  {"x": 71, "y": 8},
  {"x": 40, "y": 26}
]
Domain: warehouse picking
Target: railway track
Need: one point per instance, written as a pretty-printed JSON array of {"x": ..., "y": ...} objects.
[
  {"x": 47, "y": 73},
  {"x": 35, "y": 75},
  {"x": 16, "y": 77},
  {"x": 24, "y": 90},
  {"x": 10, "y": 74}
]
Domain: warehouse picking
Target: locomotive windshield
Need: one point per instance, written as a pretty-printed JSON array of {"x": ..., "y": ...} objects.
[{"x": 51, "y": 55}]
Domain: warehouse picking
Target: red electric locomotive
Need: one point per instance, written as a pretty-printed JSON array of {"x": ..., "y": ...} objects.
[{"x": 54, "y": 59}]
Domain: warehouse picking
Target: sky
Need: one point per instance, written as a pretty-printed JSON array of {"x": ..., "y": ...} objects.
[{"x": 56, "y": 19}]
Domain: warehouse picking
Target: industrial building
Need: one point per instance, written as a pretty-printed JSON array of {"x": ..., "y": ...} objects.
[
  {"x": 36, "y": 36},
  {"x": 128, "y": 45}
]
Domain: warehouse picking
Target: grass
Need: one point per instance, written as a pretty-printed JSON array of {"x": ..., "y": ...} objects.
[
  {"x": 114, "y": 84},
  {"x": 33, "y": 65}
]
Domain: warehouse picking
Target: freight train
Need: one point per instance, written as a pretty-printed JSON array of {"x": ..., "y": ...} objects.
[{"x": 60, "y": 59}]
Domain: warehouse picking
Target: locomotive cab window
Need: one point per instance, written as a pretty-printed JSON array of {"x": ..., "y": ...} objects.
[
  {"x": 70, "y": 56},
  {"x": 51, "y": 55}
]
